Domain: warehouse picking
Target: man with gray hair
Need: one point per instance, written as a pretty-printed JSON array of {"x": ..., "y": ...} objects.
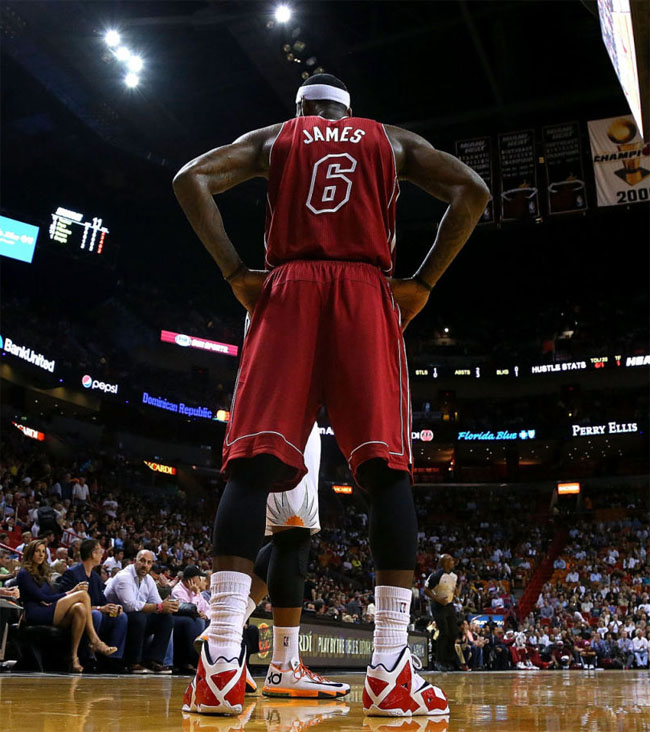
[{"x": 148, "y": 615}]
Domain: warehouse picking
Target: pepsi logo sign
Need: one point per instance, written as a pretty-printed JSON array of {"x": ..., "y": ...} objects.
[{"x": 89, "y": 383}]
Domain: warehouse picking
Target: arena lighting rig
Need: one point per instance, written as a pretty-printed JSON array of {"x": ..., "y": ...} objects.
[{"x": 132, "y": 61}]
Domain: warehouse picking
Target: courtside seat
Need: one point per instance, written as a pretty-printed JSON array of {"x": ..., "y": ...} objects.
[{"x": 41, "y": 647}]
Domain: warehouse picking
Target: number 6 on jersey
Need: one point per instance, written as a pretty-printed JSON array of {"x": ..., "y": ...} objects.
[{"x": 329, "y": 188}]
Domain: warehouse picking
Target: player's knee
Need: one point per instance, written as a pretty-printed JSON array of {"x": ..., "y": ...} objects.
[
  {"x": 264, "y": 469},
  {"x": 292, "y": 546},
  {"x": 288, "y": 567},
  {"x": 376, "y": 477},
  {"x": 261, "y": 566}
]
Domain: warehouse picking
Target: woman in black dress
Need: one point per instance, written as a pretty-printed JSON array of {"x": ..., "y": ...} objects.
[{"x": 43, "y": 606}]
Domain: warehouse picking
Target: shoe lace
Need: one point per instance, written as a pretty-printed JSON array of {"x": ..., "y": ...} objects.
[{"x": 303, "y": 670}]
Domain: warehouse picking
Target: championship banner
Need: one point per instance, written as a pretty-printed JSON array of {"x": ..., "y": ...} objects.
[
  {"x": 477, "y": 153},
  {"x": 621, "y": 161},
  {"x": 564, "y": 171},
  {"x": 519, "y": 193},
  {"x": 331, "y": 645}
]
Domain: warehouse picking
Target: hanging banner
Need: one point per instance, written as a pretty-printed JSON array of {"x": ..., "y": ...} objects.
[
  {"x": 621, "y": 161},
  {"x": 519, "y": 194},
  {"x": 564, "y": 171},
  {"x": 477, "y": 153}
]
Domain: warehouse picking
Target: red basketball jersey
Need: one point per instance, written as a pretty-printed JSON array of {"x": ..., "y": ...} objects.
[{"x": 332, "y": 192}]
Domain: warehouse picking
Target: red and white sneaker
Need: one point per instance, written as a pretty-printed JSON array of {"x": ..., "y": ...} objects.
[
  {"x": 251, "y": 684},
  {"x": 218, "y": 687},
  {"x": 198, "y": 723},
  {"x": 401, "y": 692},
  {"x": 406, "y": 724},
  {"x": 189, "y": 698},
  {"x": 299, "y": 682}
]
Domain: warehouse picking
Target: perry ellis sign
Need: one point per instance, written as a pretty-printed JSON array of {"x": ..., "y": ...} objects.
[{"x": 611, "y": 428}]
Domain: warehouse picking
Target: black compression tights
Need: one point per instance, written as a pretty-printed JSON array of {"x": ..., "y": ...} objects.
[
  {"x": 393, "y": 525},
  {"x": 240, "y": 519}
]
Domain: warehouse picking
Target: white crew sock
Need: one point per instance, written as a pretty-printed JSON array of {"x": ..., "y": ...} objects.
[
  {"x": 249, "y": 608},
  {"x": 392, "y": 617},
  {"x": 285, "y": 646},
  {"x": 228, "y": 607}
]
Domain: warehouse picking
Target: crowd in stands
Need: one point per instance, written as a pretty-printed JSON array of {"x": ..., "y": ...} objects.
[
  {"x": 132, "y": 318},
  {"x": 90, "y": 515},
  {"x": 563, "y": 330}
]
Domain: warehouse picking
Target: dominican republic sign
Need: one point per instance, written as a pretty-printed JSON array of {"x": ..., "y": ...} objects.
[{"x": 621, "y": 161}]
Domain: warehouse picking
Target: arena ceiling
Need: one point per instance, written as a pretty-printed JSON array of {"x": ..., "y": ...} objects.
[
  {"x": 74, "y": 135},
  {"x": 214, "y": 69}
]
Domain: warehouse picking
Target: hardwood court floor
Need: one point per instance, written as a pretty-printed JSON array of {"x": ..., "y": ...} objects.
[{"x": 544, "y": 701}]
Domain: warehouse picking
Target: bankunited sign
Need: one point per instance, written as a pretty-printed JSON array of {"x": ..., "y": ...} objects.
[{"x": 27, "y": 354}]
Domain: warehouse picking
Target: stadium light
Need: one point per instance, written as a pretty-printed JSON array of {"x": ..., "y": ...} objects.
[
  {"x": 131, "y": 80},
  {"x": 122, "y": 53},
  {"x": 134, "y": 63},
  {"x": 282, "y": 13},
  {"x": 112, "y": 38}
]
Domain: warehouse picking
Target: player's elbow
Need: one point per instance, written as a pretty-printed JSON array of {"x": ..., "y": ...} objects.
[
  {"x": 183, "y": 180},
  {"x": 476, "y": 193}
]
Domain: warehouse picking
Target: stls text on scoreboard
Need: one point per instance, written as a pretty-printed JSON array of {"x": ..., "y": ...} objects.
[{"x": 69, "y": 227}]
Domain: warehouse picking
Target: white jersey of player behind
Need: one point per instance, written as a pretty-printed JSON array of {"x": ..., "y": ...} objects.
[{"x": 299, "y": 506}]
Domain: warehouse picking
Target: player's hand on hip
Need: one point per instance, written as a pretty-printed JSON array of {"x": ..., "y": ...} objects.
[
  {"x": 247, "y": 287},
  {"x": 410, "y": 296}
]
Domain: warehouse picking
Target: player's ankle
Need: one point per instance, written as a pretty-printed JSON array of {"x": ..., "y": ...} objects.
[{"x": 285, "y": 665}]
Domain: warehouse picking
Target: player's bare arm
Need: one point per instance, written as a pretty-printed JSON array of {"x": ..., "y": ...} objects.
[
  {"x": 448, "y": 179},
  {"x": 214, "y": 172}
]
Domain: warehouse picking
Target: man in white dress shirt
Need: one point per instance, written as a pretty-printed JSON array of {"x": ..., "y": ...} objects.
[{"x": 148, "y": 614}]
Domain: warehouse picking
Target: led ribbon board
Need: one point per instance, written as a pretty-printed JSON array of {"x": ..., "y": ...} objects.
[
  {"x": 17, "y": 239},
  {"x": 70, "y": 227},
  {"x": 160, "y": 468},
  {"x": 185, "y": 341},
  {"x": 29, "y": 432}
]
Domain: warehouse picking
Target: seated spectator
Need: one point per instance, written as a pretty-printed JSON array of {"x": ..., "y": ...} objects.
[
  {"x": 189, "y": 590},
  {"x": 625, "y": 650},
  {"x": 187, "y": 624},
  {"x": 147, "y": 614},
  {"x": 108, "y": 619},
  {"x": 640, "y": 648},
  {"x": 26, "y": 538},
  {"x": 43, "y": 606},
  {"x": 114, "y": 559},
  {"x": 586, "y": 652}
]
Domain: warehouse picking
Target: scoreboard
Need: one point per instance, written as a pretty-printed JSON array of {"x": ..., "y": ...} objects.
[{"x": 70, "y": 227}]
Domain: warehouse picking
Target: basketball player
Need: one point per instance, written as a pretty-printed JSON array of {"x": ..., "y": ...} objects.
[
  {"x": 326, "y": 324},
  {"x": 279, "y": 571}
]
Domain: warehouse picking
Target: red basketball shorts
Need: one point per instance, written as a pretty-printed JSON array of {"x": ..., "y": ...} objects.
[{"x": 322, "y": 332}]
